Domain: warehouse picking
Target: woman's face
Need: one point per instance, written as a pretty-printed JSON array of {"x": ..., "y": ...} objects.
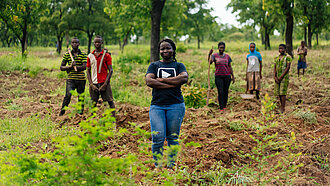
[
  {"x": 221, "y": 48},
  {"x": 166, "y": 50},
  {"x": 252, "y": 47}
]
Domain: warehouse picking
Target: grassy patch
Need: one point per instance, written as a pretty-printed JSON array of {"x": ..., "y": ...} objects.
[
  {"x": 306, "y": 115},
  {"x": 15, "y": 131}
]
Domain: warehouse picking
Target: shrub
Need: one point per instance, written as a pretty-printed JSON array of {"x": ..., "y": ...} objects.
[
  {"x": 181, "y": 48},
  {"x": 134, "y": 58},
  {"x": 194, "y": 96},
  {"x": 34, "y": 72}
]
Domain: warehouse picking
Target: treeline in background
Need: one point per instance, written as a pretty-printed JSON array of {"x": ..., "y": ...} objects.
[{"x": 51, "y": 23}]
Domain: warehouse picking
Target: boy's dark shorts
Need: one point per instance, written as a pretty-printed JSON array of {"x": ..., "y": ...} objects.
[
  {"x": 301, "y": 64},
  {"x": 106, "y": 95}
]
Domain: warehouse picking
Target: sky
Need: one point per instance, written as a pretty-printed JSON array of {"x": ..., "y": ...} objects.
[{"x": 224, "y": 15}]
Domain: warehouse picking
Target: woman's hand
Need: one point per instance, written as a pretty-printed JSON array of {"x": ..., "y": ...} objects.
[
  {"x": 211, "y": 51},
  {"x": 209, "y": 56}
]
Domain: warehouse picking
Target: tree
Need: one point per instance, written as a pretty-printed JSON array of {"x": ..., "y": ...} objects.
[
  {"x": 6, "y": 35},
  {"x": 52, "y": 22},
  {"x": 287, "y": 7},
  {"x": 261, "y": 14},
  {"x": 127, "y": 17},
  {"x": 156, "y": 14},
  {"x": 20, "y": 16},
  {"x": 198, "y": 17},
  {"x": 315, "y": 14},
  {"x": 172, "y": 19},
  {"x": 87, "y": 16}
]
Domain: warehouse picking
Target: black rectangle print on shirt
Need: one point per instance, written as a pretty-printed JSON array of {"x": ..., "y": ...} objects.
[{"x": 166, "y": 72}]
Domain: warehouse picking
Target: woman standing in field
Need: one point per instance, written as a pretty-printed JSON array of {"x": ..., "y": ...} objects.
[
  {"x": 281, "y": 75},
  {"x": 253, "y": 70},
  {"x": 223, "y": 74},
  {"x": 167, "y": 109}
]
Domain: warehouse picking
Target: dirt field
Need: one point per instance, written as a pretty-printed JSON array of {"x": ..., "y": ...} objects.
[{"x": 205, "y": 126}]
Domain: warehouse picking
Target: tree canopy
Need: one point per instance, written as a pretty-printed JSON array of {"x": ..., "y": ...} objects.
[{"x": 124, "y": 21}]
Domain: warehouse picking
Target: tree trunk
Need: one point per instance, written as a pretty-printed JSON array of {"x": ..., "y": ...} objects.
[
  {"x": 24, "y": 40},
  {"x": 262, "y": 38},
  {"x": 305, "y": 29},
  {"x": 156, "y": 14},
  {"x": 305, "y": 34},
  {"x": 288, "y": 34},
  {"x": 309, "y": 35},
  {"x": 90, "y": 36},
  {"x": 317, "y": 39},
  {"x": 267, "y": 41},
  {"x": 198, "y": 42},
  {"x": 125, "y": 40},
  {"x": 59, "y": 44},
  {"x": 67, "y": 39},
  {"x": 119, "y": 42},
  {"x": 9, "y": 41}
]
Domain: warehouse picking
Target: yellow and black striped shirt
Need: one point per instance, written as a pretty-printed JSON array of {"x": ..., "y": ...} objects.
[{"x": 80, "y": 59}]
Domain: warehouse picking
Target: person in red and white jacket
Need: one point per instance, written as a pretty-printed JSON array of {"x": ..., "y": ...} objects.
[{"x": 99, "y": 72}]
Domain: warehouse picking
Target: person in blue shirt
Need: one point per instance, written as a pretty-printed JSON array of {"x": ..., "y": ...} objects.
[{"x": 253, "y": 70}]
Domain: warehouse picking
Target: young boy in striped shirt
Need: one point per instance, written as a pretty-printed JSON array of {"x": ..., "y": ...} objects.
[{"x": 76, "y": 75}]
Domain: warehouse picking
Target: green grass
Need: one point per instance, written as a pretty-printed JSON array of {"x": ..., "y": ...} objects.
[{"x": 15, "y": 131}]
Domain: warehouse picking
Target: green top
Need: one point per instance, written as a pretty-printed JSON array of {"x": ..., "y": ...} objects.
[
  {"x": 282, "y": 88},
  {"x": 80, "y": 59},
  {"x": 281, "y": 65}
]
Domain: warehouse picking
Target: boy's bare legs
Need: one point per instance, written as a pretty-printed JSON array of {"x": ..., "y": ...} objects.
[
  {"x": 298, "y": 72},
  {"x": 282, "y": 100},
  {"x": 257, "y": 94}
]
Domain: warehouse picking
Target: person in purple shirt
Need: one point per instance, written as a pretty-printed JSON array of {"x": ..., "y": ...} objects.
[{"x": 223, "y": 74}]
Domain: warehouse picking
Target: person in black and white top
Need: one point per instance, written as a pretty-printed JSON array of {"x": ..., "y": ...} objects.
[{"x": 167, "y": 109}]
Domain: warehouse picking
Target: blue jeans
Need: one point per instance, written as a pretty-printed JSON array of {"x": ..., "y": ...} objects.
[{"x": 165, "y": 121}]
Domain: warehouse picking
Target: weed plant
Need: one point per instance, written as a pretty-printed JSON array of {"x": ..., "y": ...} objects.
[
  {"x": 323, "y": 161},
  {"x": 306, "y": 115}
]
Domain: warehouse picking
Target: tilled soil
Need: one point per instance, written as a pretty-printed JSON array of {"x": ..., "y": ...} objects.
[{"x": 213, "y": 130}]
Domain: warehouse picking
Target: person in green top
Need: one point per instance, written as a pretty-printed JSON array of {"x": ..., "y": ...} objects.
[
  {"x": 76, "y": 75},
  {"x": 281, "y": 75}
]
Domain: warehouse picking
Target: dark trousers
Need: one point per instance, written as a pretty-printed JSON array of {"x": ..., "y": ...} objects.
[
  {"x": 222, "y": 83},
  {"x": 72, "y": 84}
]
